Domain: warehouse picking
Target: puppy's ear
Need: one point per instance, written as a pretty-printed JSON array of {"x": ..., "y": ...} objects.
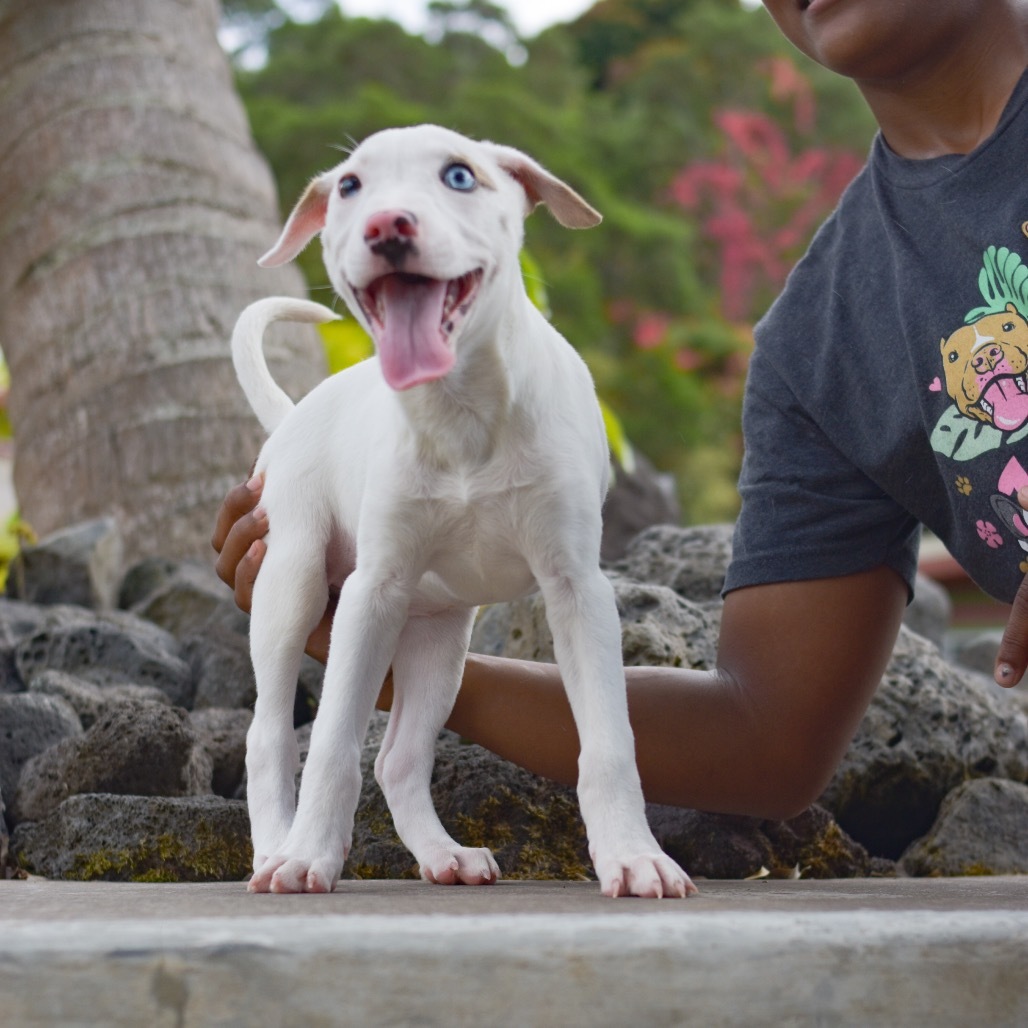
[
  {"x": 305, "y": 222},
  {"x": 542, "y": 187}
]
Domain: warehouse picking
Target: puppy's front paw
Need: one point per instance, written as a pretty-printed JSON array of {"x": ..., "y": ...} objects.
[
  {"x": 652, "y": 874},
  {"x": 459, "y": 865},
  {"x": 285, "y": 874}
]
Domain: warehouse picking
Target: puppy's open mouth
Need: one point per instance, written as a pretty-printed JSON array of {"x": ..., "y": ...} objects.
[{"x": 414, "y": 320}]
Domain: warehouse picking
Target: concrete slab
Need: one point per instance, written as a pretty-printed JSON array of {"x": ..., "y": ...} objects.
[{"x": 854, "y": 952}]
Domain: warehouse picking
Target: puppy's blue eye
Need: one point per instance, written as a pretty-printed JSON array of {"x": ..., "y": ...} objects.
[
  {"x": 459, "y": 177},
  {"x": 348, "y": 185}
]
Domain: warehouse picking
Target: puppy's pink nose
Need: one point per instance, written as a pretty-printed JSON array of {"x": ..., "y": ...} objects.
[{"x": 386, "y": 225}]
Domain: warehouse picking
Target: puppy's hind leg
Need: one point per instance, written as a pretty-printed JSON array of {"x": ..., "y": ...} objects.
[
  {"x": 289, "y": 598},
  {"x": 427, "y": 671}
]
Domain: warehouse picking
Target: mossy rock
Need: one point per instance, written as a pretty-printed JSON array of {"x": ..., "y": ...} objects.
[
  {"x": 982, "y": 829},
  {"x": 98, "y": 836},
  {"x": 532, "y": 825},
  {"x": 811, "y": 845}
]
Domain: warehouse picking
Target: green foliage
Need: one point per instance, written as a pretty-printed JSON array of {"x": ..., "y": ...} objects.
[
  {"x": 5, "y": 385},
  {"x": 14, "y": 534},
  {"x": 345, "y": 342},
  {"x": 535, "y": 284},
  {"x": 616, "y": 103},
  {"x": 620, "y": 447}
]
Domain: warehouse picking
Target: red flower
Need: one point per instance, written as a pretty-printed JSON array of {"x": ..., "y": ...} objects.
[{"x": 760, "y": 203}]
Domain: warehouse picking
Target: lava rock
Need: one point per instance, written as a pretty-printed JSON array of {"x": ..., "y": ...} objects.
[
  {"x": 692, "y": 561},
  {"x": 80, "y": 565},
  {"x": 111, "y": 647},
  {"x": 929, "y": 728},
  {"x": 17, "y": 621},
  {"x": 658, "y": 627},
  {"x": 118, "y": 838},
  {"x": 31, "y": 723},
  {"x": 982, "y": 829},
  {"x": 141, "y": 749},
  {"x": 89, "y": 700},
  {"x": 182, "y": 601},
  {"x": 4, "y": 839},
  {"x": 639, "y": 496},
  {"x": 222, "y": 734},
  {"x": 811, "y": 845}
]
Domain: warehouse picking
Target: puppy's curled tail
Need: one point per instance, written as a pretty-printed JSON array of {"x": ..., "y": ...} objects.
[{"x": 267, "y": 398}]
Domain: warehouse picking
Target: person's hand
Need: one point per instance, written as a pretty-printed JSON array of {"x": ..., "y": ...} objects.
[
  {"x": 1012, "y": 658},
  {"x": 239, "y": 541}
]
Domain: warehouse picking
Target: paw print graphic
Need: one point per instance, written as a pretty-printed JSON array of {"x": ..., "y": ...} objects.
[
  {"x": 963, "y": 485},
  {"x": 1024, "y": 567},
  {"x": 988, "y": 534}
]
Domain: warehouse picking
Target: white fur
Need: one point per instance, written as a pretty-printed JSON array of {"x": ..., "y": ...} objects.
[{"x": 474, "y": 488}]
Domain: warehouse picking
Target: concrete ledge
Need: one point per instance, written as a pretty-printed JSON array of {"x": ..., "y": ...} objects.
[{"x": 897, "y": 952}]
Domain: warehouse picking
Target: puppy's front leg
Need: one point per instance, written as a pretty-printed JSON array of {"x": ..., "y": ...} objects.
[
  {"x": 583, "y": 617},
  {"x": 289, "y": 598},
  {"x": 367, "y": 624}
]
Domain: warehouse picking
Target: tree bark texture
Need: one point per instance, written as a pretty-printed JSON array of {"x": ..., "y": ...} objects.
[{"x": 133, "y": 207}]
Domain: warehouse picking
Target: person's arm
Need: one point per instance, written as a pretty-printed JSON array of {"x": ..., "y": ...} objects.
[{"x": 762, "y": 735}]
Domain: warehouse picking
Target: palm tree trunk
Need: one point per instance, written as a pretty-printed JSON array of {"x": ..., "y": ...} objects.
[{"x": 133, "y": 206}]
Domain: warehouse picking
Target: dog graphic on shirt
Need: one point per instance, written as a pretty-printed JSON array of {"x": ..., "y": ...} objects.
[{"x": 985, "y": 365}]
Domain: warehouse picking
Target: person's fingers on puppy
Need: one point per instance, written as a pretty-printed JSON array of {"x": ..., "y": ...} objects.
[
  {"x": 239, "y": 500},
  {"x": 241, "y": 522},
  {"x": 246, "y": 573},
  {"x": 238, "y": 551}
]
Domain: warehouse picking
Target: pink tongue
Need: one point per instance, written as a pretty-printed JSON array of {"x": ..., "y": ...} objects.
[
  {"x": 1009, "y": 404},
  {"x": 411, "y": 346}
]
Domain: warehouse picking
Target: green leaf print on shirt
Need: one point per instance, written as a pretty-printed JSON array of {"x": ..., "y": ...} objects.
[
  {"x": 961, "y": 438},
  {"x": 1002, "y": 280}
]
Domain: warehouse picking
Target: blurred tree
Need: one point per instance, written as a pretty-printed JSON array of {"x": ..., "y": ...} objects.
[
  {"x": 613, "y": 31},
  {"x": 134, "y": 207},
  {"x": 477, "y": 19},
  {"x": 245, "y": 25}
]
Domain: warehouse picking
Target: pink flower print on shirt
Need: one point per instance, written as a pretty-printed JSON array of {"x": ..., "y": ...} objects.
[{"x": 988, "y": 534}]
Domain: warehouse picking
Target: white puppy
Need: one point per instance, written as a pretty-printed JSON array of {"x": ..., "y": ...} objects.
[{"x": 465, "y": 464}]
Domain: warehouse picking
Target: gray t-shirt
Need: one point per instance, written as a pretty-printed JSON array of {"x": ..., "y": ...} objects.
[{"x": 888, "y": 384}]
